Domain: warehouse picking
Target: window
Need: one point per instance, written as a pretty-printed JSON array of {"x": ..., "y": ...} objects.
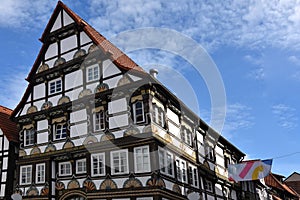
[
  {"x": 208, "y": 186},
  {"x": 98, "y": 164},
  {"x": 193, "y": 175},
  {"x": 60, "y": 131},
  {"x": 92, "y": 73},
  {"x": 99, "y": 121},
  {"x": 181, "y": 170},
  {"x": 158, "y": 116},
  {"x": 226, "y": 161},
  {"x": 119, "y": 162},
  {"x": 40, "y": 173},
  {"x": 55, "y": 86},
  {"x": 142, "y": 159},
  {"x": 81, "y": 166},
  {"x": 29, "y": 137},
  {"x": 166, "y": 162},
  {"x": 209, "y": 152},
  {"x": 138, "y": 112},
  {"x": 187, "y": 136},
  {"x": 25, "y": 174},
  {"x": 65, "y": 168}
]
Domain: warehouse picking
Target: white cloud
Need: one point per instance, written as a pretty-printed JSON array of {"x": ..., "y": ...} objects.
[
  {"x": 253, "y": 24},
  {"x": 25, "y": 13},
  {"x": 285, "y": 115},
  {"x": 294, "y": 59}
]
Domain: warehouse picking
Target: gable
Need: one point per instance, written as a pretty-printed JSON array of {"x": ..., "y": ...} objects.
[{"x": 294, "y": 177}]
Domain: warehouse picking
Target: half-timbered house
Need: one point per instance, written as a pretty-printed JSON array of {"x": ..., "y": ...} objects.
[
  {"x": 95, "y": 125},
  {"x": 8, "y": 153}
]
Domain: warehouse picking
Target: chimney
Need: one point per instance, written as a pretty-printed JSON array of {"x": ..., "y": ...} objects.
[{"x": 153, "y": 72}]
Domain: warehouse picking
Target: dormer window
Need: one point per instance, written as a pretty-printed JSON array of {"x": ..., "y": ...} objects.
[
  {"x": 55, "y": 86},
  {"x": 92, "y": 73},
  {"x": 138, "y": 112}
]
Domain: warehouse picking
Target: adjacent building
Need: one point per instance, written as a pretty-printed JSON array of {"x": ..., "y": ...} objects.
[
  {"x": 94, "y": 125},
  {"x": 8, "y": 153},
  {"x": 293, "y": 181}
]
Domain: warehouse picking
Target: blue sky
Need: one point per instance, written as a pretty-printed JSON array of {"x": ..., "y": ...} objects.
[{"x": 254, "y": 44}]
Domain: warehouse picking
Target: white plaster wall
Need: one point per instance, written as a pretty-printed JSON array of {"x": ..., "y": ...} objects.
[
  {"x": 233, "y": 194},
  {"x": 172, "y": 116},
  {"x": 118, "y": 134},
  {"x": 67, "y": 19},
  {"x": 73, "y": 79},
  {"x": 50, "y": 63},
  {"x": 59, "y": 145},
  {"x": 174, "y": 129},
  {"x": 78, "y": 130},
  {"x": 112, "y": 82},
  {"x": 51, "y": 51},
  {"x": 42, "y": 137},
  {"x": 38, "y": 104},
  {"x": 69, "y": 56},
  {"x": 4, "y": 176},
  {"x": 92, "y": 86},
  {"x": 55, "y": 99},
  {"x": 57, "y": 23},
  {"x": 120, "y": 182},
  {"x": 109, "y": 68},
  {"x": 2, "y": 190},
  {"x": 218, "y": 189},
  {"x": 84, "y": 38},
  {"x": 77, "y": 116},
  {"x": 74, "y": 94},
  {"x": 39, "y": 91},
  {"x": 134, "y": 78},
  {"x": 158, "y": 103},
  {"x": 118, "y": 121},
  {"x": 42, "y": 125},
  {"x": 6, "y": 143},
  {"x": 209, "y": 197},
  {"x": 116, "y": 106},
  {"x": 25, "y": 108}
]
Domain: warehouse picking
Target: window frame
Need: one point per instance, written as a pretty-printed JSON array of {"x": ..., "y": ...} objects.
[
  {"x": 43, "y": 176},
  {"x": 27, "y": 178},
  {"x": 101, "y": 122},
  {"x": 208, "y": 186},
  {"x": 187, "y": 136},
  {"x": 31, "y": 134},
  {"x": 135, "y": 109},
  {"x": 210, "y": 152},
  {"x": 77, "y": 166},
  {"x": 193, "y": 175},
  {"x": 136, "y": 155},
  {"x": 158, "y": 116},
  {"x": 166, "y": 165},
  {"x": 56, "y": 83},
  {"x": 60, "y": 168},
  {"x": 181, "y": 170},
  {"x": 61, "y": 131},
  {"x": 126, "y": 164},
  {"x": 93, "y": 78},
  {"x": 98, "y": 166}
]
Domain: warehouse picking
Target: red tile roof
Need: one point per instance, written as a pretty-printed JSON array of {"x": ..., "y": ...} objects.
[
  {"x": 8, "y": 127},
  {"x": 272, "y": 181}
]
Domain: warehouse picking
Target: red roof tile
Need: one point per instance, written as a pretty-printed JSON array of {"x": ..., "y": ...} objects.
[{"x": 8, "y": 127}]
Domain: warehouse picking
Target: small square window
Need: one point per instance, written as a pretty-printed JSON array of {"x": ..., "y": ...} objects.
[
  {"x": 81, "y": 166},
  {"x": 92, "y": 73},
  {"x": 65, "y": 168},
  {"x": 60, "y": 131},
  {"x": 55, "y": 86}
]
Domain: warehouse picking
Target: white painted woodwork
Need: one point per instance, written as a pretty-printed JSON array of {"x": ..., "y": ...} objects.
[
  {"x": 57, "y": 24},
  {"x": 42, "y": 125},
  {"x": 51, "y": 51},
  {"x": 73, "y": 95},
  {"x": 172, "y": 116},
  {"x": 116, "y": 106},
  {"x": 67, "y": 19},
  {"x": 42, "y": 137},
  {"x": 73, "y": 79},
  {"x": 78, "y": 130},
  {"x": 77, "y": 116},
  {"x": 39, "y": 91},
  {"x": 109, "y": 68},
  {"x": 84, "y": 38},
  {"x": 112, "y": 82},
  {"x": 118, "y": 121}
]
